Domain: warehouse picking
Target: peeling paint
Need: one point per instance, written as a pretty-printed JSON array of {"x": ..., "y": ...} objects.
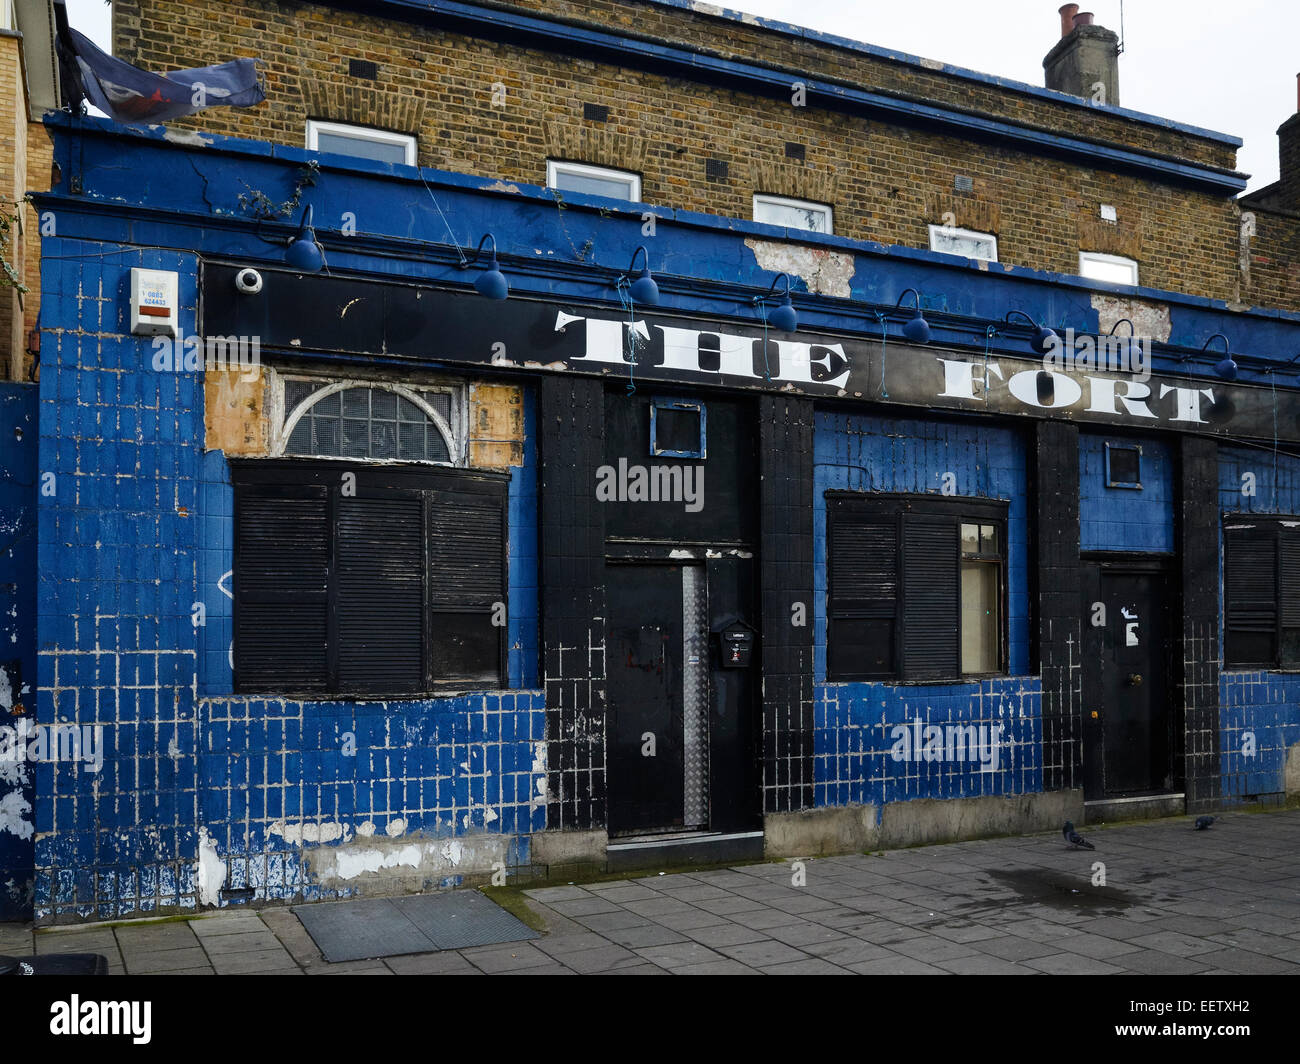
[
  {"x": 211, "y": 870},
  {"x": 13, "y": 819},
  {"x": 310, "y": 831},
  {"x": 188, "y": 138},
  {"x": 1149, "y": 319},
  {"x": 824, "y": 272},
  {"x": 502, "y": 186}
]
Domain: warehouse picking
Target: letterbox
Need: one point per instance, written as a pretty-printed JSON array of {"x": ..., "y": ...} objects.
[{"x": 737, "y": 644}]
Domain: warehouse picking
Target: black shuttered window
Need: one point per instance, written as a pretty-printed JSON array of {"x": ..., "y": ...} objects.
[
  {"x": 367, "y": 580},
  {"x": 897, "y": 597},
  {"x": 1261, "y": 592}
]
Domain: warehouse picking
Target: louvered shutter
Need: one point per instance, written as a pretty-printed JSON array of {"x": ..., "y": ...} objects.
[
  {"x": 932, "y": 598},
  {"x": 281, "y": 588},
  {"x": 467, "y": 551},
  {"x": 1250, "y": 595},
  {"x": 379, "y": 555},
  {"x": 1289, "y": 596},
  {"x": 863, "y": 592}
]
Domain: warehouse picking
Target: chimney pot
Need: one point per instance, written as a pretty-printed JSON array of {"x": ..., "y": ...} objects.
[
  {"x": 1083, "y": 18},
  {"x": 1067, "y": 13}
]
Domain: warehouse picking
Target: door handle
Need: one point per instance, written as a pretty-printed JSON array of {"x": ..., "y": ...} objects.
[{"x": 1135, "y": 679}]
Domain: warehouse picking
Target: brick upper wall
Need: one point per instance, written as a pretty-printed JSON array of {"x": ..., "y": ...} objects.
[{"x": 887, "y": 182}]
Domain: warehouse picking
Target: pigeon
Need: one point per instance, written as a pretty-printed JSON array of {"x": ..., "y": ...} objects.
[
  {"x": 1203, "y": 822},
  {"x": 1074, "y": 838}
]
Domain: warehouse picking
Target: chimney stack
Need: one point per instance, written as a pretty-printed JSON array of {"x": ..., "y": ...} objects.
[
  {"x": 1085, "y": 61},
  {"x": 1288, "y": 145}
]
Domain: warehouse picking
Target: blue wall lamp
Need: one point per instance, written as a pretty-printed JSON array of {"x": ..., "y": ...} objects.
[
  {"x": 491, "y": 283},
  {"x": 1043, "y": 338},
  {"x": 643, "y": 290},
  {"x": 1225, "y": 367},
  {"x": 304, "y": 252},
  {"x": 784, "y": 316},
  {"x": 916, "y": 328}
]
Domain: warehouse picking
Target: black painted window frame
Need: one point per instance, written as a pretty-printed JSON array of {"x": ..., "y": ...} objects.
[
  {"x": 903, "y": 512},
  {"x": 1256, "y": 601},
  {"x": 440, "y": 492}
]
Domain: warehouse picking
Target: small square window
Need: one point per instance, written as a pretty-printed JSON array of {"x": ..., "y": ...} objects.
[
  {"x": 593, "y": 180},
  {"x": 794, "y": 214},
  {"x": 1124, "y": 466},
  {"x": 1113, "y": 268},
  {"x": 964, "y": 242},
  {"x": 677, "y": 428},
  {"x": 1108, "y": 213},
  {"x": 361, "y": 142}
]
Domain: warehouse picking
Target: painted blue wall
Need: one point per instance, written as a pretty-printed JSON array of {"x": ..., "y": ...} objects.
[
  {"x": 855, "y": 721},
  {"x": 1259, "y": 715},
  {"x": 18, "y": 485},
  {"x": 1124, "y": 519},
  {"x": 136, "y": 531}
]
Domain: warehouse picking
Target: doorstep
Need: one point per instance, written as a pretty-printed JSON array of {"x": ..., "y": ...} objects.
[
  {"x": 1135, "y": 807},
  {"x": 699, "y": 847}
]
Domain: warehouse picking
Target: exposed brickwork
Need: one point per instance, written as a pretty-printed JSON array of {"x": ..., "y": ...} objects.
[{"x": 878, "y": 176}]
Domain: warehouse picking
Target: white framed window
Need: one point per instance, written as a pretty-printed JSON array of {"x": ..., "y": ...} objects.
[
  {"x": 593, "y": 180},
  {"x": 964, "y": 242},
  {"x": 361, "y": 142},
  {"x": 322, "y": 417},
  {"x": 794, "y": 213},
  {"x": 1113, "y": 268}
]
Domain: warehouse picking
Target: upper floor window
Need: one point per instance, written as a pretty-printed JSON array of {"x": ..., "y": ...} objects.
[
  {"x": 361, "y": 142},
  {"x": 376, "y": 421},
  {"x": 794, "y": 213},
  {"x": 1113, "y": 268},
  {"x": 964, "y": 242},
  {"x": 916, "y": 587},
  {"x": 593, "y": 180},
  {"x": 1261, "y": 592}
]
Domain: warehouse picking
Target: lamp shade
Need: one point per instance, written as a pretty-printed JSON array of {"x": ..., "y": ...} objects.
[
  {"x": 644, "y": 290},
  {"x": 491, "y": 283},
  {"x": 1226, "y": 369},
  {"x": 785, "y": 317},
  {"x": 303, "y": 252},
  {"x": 916, "y": 328},
  {"x": 1044, "y": 339}
]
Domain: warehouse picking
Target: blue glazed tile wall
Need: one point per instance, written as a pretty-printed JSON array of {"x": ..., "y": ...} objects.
[
  {"x": 1259, "y": 716},
  {"x": 136, "y": 533},
  {"x": 1125, "y": 519},
  {"x": 854, "y": 732},
  {"x": 859, "y": 453},
  {"x": 855, "y": 740},
  {"x": 1258, "y": 724}
]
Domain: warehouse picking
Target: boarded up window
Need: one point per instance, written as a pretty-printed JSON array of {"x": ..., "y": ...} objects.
[
  {"x": 897, "y": 598},
  {"x": 1261, "y": 592},
  {"x": 367, "y": 580}
]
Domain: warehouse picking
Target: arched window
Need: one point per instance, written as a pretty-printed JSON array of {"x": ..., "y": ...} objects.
[{"x": 368, "y": 421}]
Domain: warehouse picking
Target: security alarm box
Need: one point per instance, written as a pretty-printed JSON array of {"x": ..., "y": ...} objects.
[
  {"x": 737, "y": 645},
  {"x": 154, "y": 310}
]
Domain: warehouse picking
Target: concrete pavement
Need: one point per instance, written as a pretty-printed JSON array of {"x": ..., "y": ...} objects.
[{"x": 1175, "y": 901}]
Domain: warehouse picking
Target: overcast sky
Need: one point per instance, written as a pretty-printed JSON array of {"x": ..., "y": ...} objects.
[{"x": 1226, "y": 65}]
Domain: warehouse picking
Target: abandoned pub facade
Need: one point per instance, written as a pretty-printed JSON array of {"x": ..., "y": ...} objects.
[{"x": 615, "y": 570}]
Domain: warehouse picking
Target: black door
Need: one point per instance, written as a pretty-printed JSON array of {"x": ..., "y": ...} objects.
[
  {"x": 681, "y": 728},
  {"x": 645, "y": 782},
  {"x": 1126, "y": 663}
]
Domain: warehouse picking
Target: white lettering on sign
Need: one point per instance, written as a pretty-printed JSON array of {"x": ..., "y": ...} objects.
[
  {"x": 1189, "y": 402},
  {"x": 1105, "y": 393},
  {"x": 830, "y": 366},
  {"x": 1131, "y": 634},
  {"x": 1024, "y": 386}
]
